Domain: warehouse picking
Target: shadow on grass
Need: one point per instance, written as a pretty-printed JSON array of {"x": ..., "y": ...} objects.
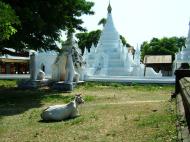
[
  {"x": 15, "y": 101},
  {"x": 55, "y": 121}
]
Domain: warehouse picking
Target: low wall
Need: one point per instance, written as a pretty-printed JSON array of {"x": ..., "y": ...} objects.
[
  {"x": 132, "y": 79},
  {"x": 183, "y": 107},
  {"x": 185, "y": 94},
  {"x": 181, "y": 73}
]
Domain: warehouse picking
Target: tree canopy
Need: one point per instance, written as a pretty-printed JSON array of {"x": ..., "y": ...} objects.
[
  {"x": 8, "y": 21},
  {"x": 163, "y": 46},
  {"x": 43, "y": 20},
  {"x": 123, "y": 40},
  {"x": 102, "y": 22},
  {"x": 86, "y": 39}
]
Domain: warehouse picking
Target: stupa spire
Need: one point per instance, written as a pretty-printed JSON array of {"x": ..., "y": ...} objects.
[
  {"x": 109, "y": 32},
  {"x": 109, "y": 8}
]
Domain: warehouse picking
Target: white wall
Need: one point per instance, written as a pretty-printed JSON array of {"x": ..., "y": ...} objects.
[{"x": 47, "y": 59}]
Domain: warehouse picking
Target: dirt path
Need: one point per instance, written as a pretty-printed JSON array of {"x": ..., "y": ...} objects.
[{"x": 126, "y": 102}]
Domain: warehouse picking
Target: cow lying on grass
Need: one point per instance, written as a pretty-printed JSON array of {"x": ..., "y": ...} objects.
[{"x": 62, "y": 112}]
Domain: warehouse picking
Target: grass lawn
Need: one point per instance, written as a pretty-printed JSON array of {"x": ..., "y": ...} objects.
[{"x": 111, "y": 113}]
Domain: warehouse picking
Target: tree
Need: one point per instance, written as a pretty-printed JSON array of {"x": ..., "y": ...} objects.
[
  {"x": 8, "y": 21},
  {"x": 123, "y": 40},
  {"x": 102, "y": 22},
  {"x": 43, "y": 20},
  {"x": 86, "y": 39},
  {"x": 144, "y": 49},
  {"x": 163, "y": 46}
]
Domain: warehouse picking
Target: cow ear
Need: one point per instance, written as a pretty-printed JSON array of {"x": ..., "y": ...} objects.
[{"x": 78, "y": 94}]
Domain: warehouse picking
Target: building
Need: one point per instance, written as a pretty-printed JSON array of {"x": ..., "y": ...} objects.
[
  {"x": 161, "y": 63},
  {"x": 14, "y": 64}
]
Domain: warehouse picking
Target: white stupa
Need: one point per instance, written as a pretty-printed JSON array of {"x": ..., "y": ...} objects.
[
  {"x": 111, "y": 57},
  {"x": 183, "y": 56}
]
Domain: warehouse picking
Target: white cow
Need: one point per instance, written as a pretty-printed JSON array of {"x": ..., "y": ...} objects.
[{"x": 61, "y": 112}]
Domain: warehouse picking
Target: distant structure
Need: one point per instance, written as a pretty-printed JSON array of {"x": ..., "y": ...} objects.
[
  {"x": 183, "y": 56},
  {"x": 161, "y": 63},
  {"x": 15, "y": 63},
  {"x": 111, "y": 57}
]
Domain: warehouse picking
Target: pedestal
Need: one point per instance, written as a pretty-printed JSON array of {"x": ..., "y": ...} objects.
[
  {"x": 63, "y": 86},
  {"x": 33, "y": 84}
]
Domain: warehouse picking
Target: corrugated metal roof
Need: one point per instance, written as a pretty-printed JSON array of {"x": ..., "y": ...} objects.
[
  {"x": 157, "y": 59},
  {"x": 14, "y": 57}
]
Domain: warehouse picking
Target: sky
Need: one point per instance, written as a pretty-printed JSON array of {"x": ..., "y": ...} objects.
[{"x": 141, "y": 20}]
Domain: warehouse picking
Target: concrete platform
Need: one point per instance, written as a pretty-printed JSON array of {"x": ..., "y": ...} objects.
[
  {"x": 30, "y": 84},
  {"x": 133, "y": 79},
  {"x": 63, "y": 86}
]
